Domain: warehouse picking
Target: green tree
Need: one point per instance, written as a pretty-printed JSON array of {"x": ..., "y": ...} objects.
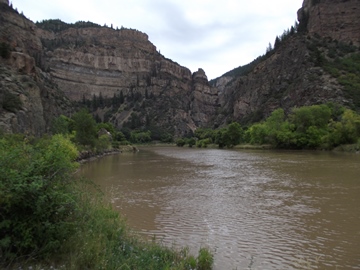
[
  {"x": 140, "y": 136},
  {"x": 180, "y": 142},
  {"x": 310, "y": 125},
  {"x": 61, "y": 125},
  {"x": 85, "y": 128},
  {"x": 222, "y": 138},
  {"x": 191, "y": 141},
  {"x": 257, "y": 134},
  {"x": 345, "y": 131},
  {"x": 235, "y": 134}
]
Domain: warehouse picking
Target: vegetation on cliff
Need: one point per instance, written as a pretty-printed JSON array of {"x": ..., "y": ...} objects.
[
  {"x": 50, "y": 219},
  {"x": 58, "y": 25}
]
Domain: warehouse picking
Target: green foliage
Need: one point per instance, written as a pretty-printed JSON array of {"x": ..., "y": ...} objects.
[
  {"x": 61, "y": 125},
  {"x": 35, "y": 201},
  {"x": 205, "y": 259},
  {"x": 304, "y": 117},
  {"x": 203, "y": 133},
  {"x": 191, "y": 141},
  {"x": 235, "y": 133},
  {"x": 85, "y": 128},
  {"x": 180, "y": 142},
  {"x": 11, "y": 102},
  {"x": 108, "y": 126},
  {"x": 119, "y": 136},
  {"x": 103, "y": 143},
  {"x": 346, "y": 131},
  {"x": 310, "y": 127},
  {"x": 58, "y": 25},
  {"x": 229, "y": 136},
  {"x": 203, "y": 143},
  {"x": 256, "y": 134},
  {"x": 140, "y": 136},
  {"x": 347, "y": 71}
]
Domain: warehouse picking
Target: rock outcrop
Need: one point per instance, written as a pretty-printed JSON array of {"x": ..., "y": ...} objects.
[
  {"x": 338, "y": 19},
  {"x": 29, "y": 100},
  {"x": 291, "y": 75}
]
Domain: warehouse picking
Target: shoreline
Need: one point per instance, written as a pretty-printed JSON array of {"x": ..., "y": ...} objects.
[{"x": 89, "y": 155}]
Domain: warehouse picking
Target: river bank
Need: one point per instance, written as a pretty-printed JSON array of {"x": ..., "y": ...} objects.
[
  {"x": 55, "y": 219},
  {"x": 90, "y": 155}
]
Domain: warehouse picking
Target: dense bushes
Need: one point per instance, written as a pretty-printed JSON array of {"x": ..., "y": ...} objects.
[
  {"x": 85, "y": 132},
  {"x": 308, "y": 127},
  {"x": 35, "y": 201}
]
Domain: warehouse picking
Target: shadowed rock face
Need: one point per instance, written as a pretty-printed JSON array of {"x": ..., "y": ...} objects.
[
  {"x": 37, "y": 100},
  {"x": 286, "y": 79},
  {"x": 338, "y": 19},
  {"x": 47, "y": 70},
  {"x": 290, "y": 77}
]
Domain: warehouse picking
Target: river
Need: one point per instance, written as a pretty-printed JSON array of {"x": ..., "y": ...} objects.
[{"x": 253, "y": 209}]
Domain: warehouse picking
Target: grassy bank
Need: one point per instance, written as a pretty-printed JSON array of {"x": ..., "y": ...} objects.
[{"x": 49, "y": 219}]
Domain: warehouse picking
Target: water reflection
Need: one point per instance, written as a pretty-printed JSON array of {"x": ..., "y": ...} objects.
[{"x": 254, "y": 209}]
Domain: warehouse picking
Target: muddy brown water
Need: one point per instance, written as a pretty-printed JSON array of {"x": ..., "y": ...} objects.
[{"x": 254, "y": 209}]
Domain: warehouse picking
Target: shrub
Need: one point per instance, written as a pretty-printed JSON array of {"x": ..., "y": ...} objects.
[
  {"x": 35, "y": 200},
  {"x": 191, "y": 141},
  {"x": 180, "y": 142},
  {"x": 205, "y": 259}
]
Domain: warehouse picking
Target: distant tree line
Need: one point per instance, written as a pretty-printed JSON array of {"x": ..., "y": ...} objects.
[{"x": 56, "y": 25}]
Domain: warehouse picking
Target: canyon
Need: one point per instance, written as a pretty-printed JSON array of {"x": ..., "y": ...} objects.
[{"x": 53, "y": 68}]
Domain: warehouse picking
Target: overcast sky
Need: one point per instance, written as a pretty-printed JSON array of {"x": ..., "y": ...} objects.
[{"x": 214, "y": 35}]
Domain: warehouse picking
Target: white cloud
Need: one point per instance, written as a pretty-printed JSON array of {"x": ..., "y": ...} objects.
[{"x": 214, "y": 35}]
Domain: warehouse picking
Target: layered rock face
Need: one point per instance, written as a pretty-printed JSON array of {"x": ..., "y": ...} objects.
[
  {"x": 90, "y": 62},
  {"x": 29, "y": 101},
  {"x": 338, "y": 19}
]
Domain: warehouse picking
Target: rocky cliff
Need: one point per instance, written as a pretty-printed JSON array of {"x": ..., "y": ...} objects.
[
  {"x": 338, "y": 19},
  {"x": 296, "y": 73},
  {"x": 29, "y": 100},
  {"x": 95, "y": 62}
]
